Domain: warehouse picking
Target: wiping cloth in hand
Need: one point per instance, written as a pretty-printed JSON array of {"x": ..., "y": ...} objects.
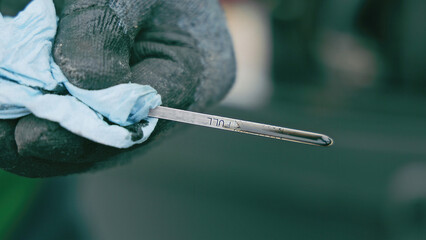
[{"x": 30, "y": 82}]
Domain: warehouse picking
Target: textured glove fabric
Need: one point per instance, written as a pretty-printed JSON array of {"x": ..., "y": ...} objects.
[
  {"x": 27, "y": 69},
  {"x": 181, "y": 48}
]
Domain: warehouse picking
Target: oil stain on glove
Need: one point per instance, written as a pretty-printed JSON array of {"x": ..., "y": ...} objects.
[{"x": 31, "y": 82}]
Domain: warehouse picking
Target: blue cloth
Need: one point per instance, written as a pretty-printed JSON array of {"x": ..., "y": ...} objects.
[{"x": 29, "y": 76}]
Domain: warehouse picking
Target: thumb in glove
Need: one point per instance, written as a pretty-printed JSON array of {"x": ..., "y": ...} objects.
[{"x": 181, "y": 48}]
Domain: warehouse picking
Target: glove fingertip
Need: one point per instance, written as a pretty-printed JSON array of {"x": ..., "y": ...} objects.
[
  {"x": 91, "y": 49},
  {"x": 49, "y": 141}
]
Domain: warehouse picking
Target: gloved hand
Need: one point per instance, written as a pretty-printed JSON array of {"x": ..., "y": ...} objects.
[{"x": 181, "y": 48}]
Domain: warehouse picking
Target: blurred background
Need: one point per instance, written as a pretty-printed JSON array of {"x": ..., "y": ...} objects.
[{"x": 354, "y": 70}]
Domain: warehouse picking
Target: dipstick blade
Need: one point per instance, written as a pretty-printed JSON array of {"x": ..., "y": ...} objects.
[{"x": 241, "y": 126}]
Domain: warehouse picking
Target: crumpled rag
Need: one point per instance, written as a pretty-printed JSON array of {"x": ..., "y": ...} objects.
[{"x": 29, "y": 79}]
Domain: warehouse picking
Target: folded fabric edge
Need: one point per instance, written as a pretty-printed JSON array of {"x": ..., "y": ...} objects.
[
  {"x": 44, "y": 9},
  {"x": 89, "y": 124}
]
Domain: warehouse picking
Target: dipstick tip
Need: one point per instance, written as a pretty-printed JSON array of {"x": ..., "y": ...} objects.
[{"x": 327, "y": 141}]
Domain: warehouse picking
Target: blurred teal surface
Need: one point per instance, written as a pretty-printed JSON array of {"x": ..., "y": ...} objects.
[
  {"x": 16, "y": 195},
  {"x": 210, "y": 184}
]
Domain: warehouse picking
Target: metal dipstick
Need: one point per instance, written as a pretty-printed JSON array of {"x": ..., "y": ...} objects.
[{"x": 241, "y": 126}]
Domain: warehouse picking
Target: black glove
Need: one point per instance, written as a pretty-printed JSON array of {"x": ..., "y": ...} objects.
[{"x": 181, "y": 48}]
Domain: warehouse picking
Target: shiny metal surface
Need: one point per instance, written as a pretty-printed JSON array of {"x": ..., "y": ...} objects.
[{"x": 241, "y": 126}]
